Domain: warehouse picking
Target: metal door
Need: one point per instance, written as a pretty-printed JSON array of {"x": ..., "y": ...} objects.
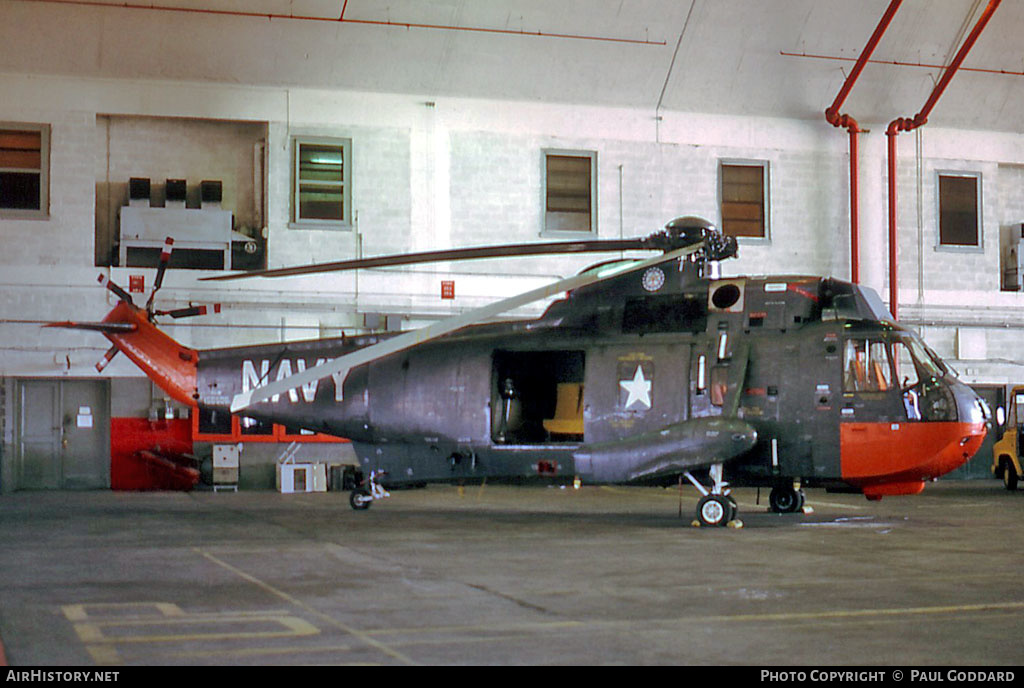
[
  {"x": 39, "y": 428},
  {"x": 64, "y": 434}
]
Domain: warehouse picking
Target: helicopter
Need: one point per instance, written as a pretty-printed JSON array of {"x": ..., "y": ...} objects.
[{"x": 645, "y": 371}]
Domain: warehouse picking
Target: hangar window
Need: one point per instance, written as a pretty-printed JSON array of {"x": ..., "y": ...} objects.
[
  {"x": 743, "y": 197},
  {"x": 569, "y": 191},
  {"x": 24, "y": 170},
  {"x": 322, "y": 192},
  {"x": 959, "y": 219}
]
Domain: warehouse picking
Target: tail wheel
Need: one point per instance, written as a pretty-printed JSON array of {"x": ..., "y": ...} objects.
[
  {"x": 715, "y": 510},
  {"x": 1009, "y": 476},
  {"x": 786, "y": 500},
  {"x": 360, "y": 499}
]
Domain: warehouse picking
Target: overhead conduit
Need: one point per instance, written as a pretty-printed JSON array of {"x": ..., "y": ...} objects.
[
  {"x": 850, "y": 124},
  {"x": 343, "y": 19},
  {"x": 908, "y": 124}
]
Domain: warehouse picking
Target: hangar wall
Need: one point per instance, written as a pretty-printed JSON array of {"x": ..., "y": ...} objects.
[{"x": 431, "y": 173}]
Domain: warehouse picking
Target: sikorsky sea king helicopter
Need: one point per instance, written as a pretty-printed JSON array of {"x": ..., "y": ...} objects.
[{"x": 646, "y": 371}]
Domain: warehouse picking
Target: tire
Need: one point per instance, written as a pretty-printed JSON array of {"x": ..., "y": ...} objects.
[
  {"x": 786, "y": 500},
  {"x": 1009, "y": 476},
  {"x": 715, "y": 510},
  {"x": 360, "y": 499}
]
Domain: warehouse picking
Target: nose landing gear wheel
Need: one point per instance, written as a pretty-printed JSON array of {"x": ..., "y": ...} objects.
[
  {"x": 786, "y": 500},
  {"x": 715, "y": 510}
]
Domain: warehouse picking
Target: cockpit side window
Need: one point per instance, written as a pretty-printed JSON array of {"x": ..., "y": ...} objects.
[
  {"x": 906, "y": 371},
  {"x": 866, "y": 366}
]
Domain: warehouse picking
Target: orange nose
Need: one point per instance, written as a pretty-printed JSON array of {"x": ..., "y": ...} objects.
[{"x": 896, "y": 458}]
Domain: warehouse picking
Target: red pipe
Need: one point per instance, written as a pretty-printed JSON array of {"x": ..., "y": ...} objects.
[
  {"x": 342, "y": 19},
  {"x": 832, "y": 113},
  {"x": 835, "y": 119},
  {"x": 899, "y": 63},
  {"x": 907, "y": 124}
]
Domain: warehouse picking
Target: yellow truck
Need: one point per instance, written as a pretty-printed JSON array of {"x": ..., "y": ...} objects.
[{"x": 1006, "y": 462}]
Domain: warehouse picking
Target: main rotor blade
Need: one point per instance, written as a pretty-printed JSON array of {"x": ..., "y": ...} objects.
[
  {"x": 472, "y": 253},
  {"x": 104, "y": 327},
  {"x": 340, "y": 367}
]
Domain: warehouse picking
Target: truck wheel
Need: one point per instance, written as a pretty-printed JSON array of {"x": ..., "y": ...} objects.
[{"x": 1009, "y": 476}]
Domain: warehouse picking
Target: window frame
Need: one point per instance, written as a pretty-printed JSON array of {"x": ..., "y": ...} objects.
[
  {"x": 765, "y": 166},
  {"x": 299, "y": 222},
  {"x": 43, "y": 210},
  {"x": 979, "y": 247},
  {"x": 571, "y": 153}
]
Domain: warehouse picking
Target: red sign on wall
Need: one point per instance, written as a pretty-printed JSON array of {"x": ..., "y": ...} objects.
[
  {"x": 137, "y": 284},
  {"x": 447, "y": 289}
]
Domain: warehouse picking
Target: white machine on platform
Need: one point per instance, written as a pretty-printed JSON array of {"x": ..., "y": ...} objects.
[
  {"x": 225, "y": 466},
  {"x": 299, "y": 477},
  {"x": 206, "y": 229}
]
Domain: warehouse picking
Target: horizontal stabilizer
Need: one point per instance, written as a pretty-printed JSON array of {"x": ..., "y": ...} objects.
[
  {"x": 676, "y": 448},
  {"x": 109, "y": 327}
]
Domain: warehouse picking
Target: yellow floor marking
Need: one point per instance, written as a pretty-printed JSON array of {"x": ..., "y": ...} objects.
[
  {"x": 860, "y": 613},
  {"x": 118, "y": 610},
  {"x": 103, "y": 655},
  {"x": 302, "y": 605},
  {"x": 258, "y": 651},
  {"x": 95, "y": 633},
  {"x": 743, "y": 618}
]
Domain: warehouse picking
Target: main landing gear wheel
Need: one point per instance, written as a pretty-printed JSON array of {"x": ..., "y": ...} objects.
[
  {"x": 360, "y": 499},
  {"x": 715, "y": 510},
  {"x": 786, "y": 500}
]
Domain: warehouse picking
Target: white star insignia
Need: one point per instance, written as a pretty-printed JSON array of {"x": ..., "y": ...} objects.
[{"x": 638, "y": 389}]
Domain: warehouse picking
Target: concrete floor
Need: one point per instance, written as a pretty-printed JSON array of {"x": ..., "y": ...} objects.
[{"x": 510, "y": 575}]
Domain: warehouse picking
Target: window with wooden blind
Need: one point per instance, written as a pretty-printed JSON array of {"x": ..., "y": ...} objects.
[
  {"x": 323, "y": 181},
  {"x": 744, "y": 200},
  {"x": 24, "y": 170},
  {"x": 569, "y": 191},
  {"x": 959, "y": 221}
]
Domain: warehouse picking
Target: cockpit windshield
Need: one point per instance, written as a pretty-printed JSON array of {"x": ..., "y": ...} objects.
[
  {"x": 878, "y": 364},
  {"x": 929, "y": 364}
]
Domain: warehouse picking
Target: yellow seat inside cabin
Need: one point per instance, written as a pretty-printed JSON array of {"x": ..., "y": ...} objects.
[{"x": 568, "y": 418}]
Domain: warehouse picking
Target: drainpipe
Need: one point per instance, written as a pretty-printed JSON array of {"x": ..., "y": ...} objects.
[
  {"x": 908, "y": 124},
  {"x": 850, "y": 124}
]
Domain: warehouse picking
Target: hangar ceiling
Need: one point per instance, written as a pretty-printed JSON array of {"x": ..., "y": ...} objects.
[{"x": 775, "y": 58}]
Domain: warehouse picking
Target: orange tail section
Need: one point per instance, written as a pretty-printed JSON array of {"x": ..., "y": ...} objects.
[{"x": 169, "y": 364}]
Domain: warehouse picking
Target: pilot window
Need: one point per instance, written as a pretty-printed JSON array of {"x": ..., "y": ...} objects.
[
  {"x": 906, "y": 371},
  {"x": 866, "y": 366}
]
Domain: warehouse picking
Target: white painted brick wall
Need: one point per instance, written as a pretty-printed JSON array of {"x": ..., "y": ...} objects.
[{"x": 465, "y": 173}]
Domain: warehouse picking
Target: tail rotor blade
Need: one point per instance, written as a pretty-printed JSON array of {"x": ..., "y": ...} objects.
[
  {"x": 118, "y": 291},
  {"x": 107, "y": 358},
  {"x": 165, "y": 259},
  {"x": 191, "y": 311}
]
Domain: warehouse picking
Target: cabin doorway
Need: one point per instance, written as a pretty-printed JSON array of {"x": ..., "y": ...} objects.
[{"x": 537, "y": 397}]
